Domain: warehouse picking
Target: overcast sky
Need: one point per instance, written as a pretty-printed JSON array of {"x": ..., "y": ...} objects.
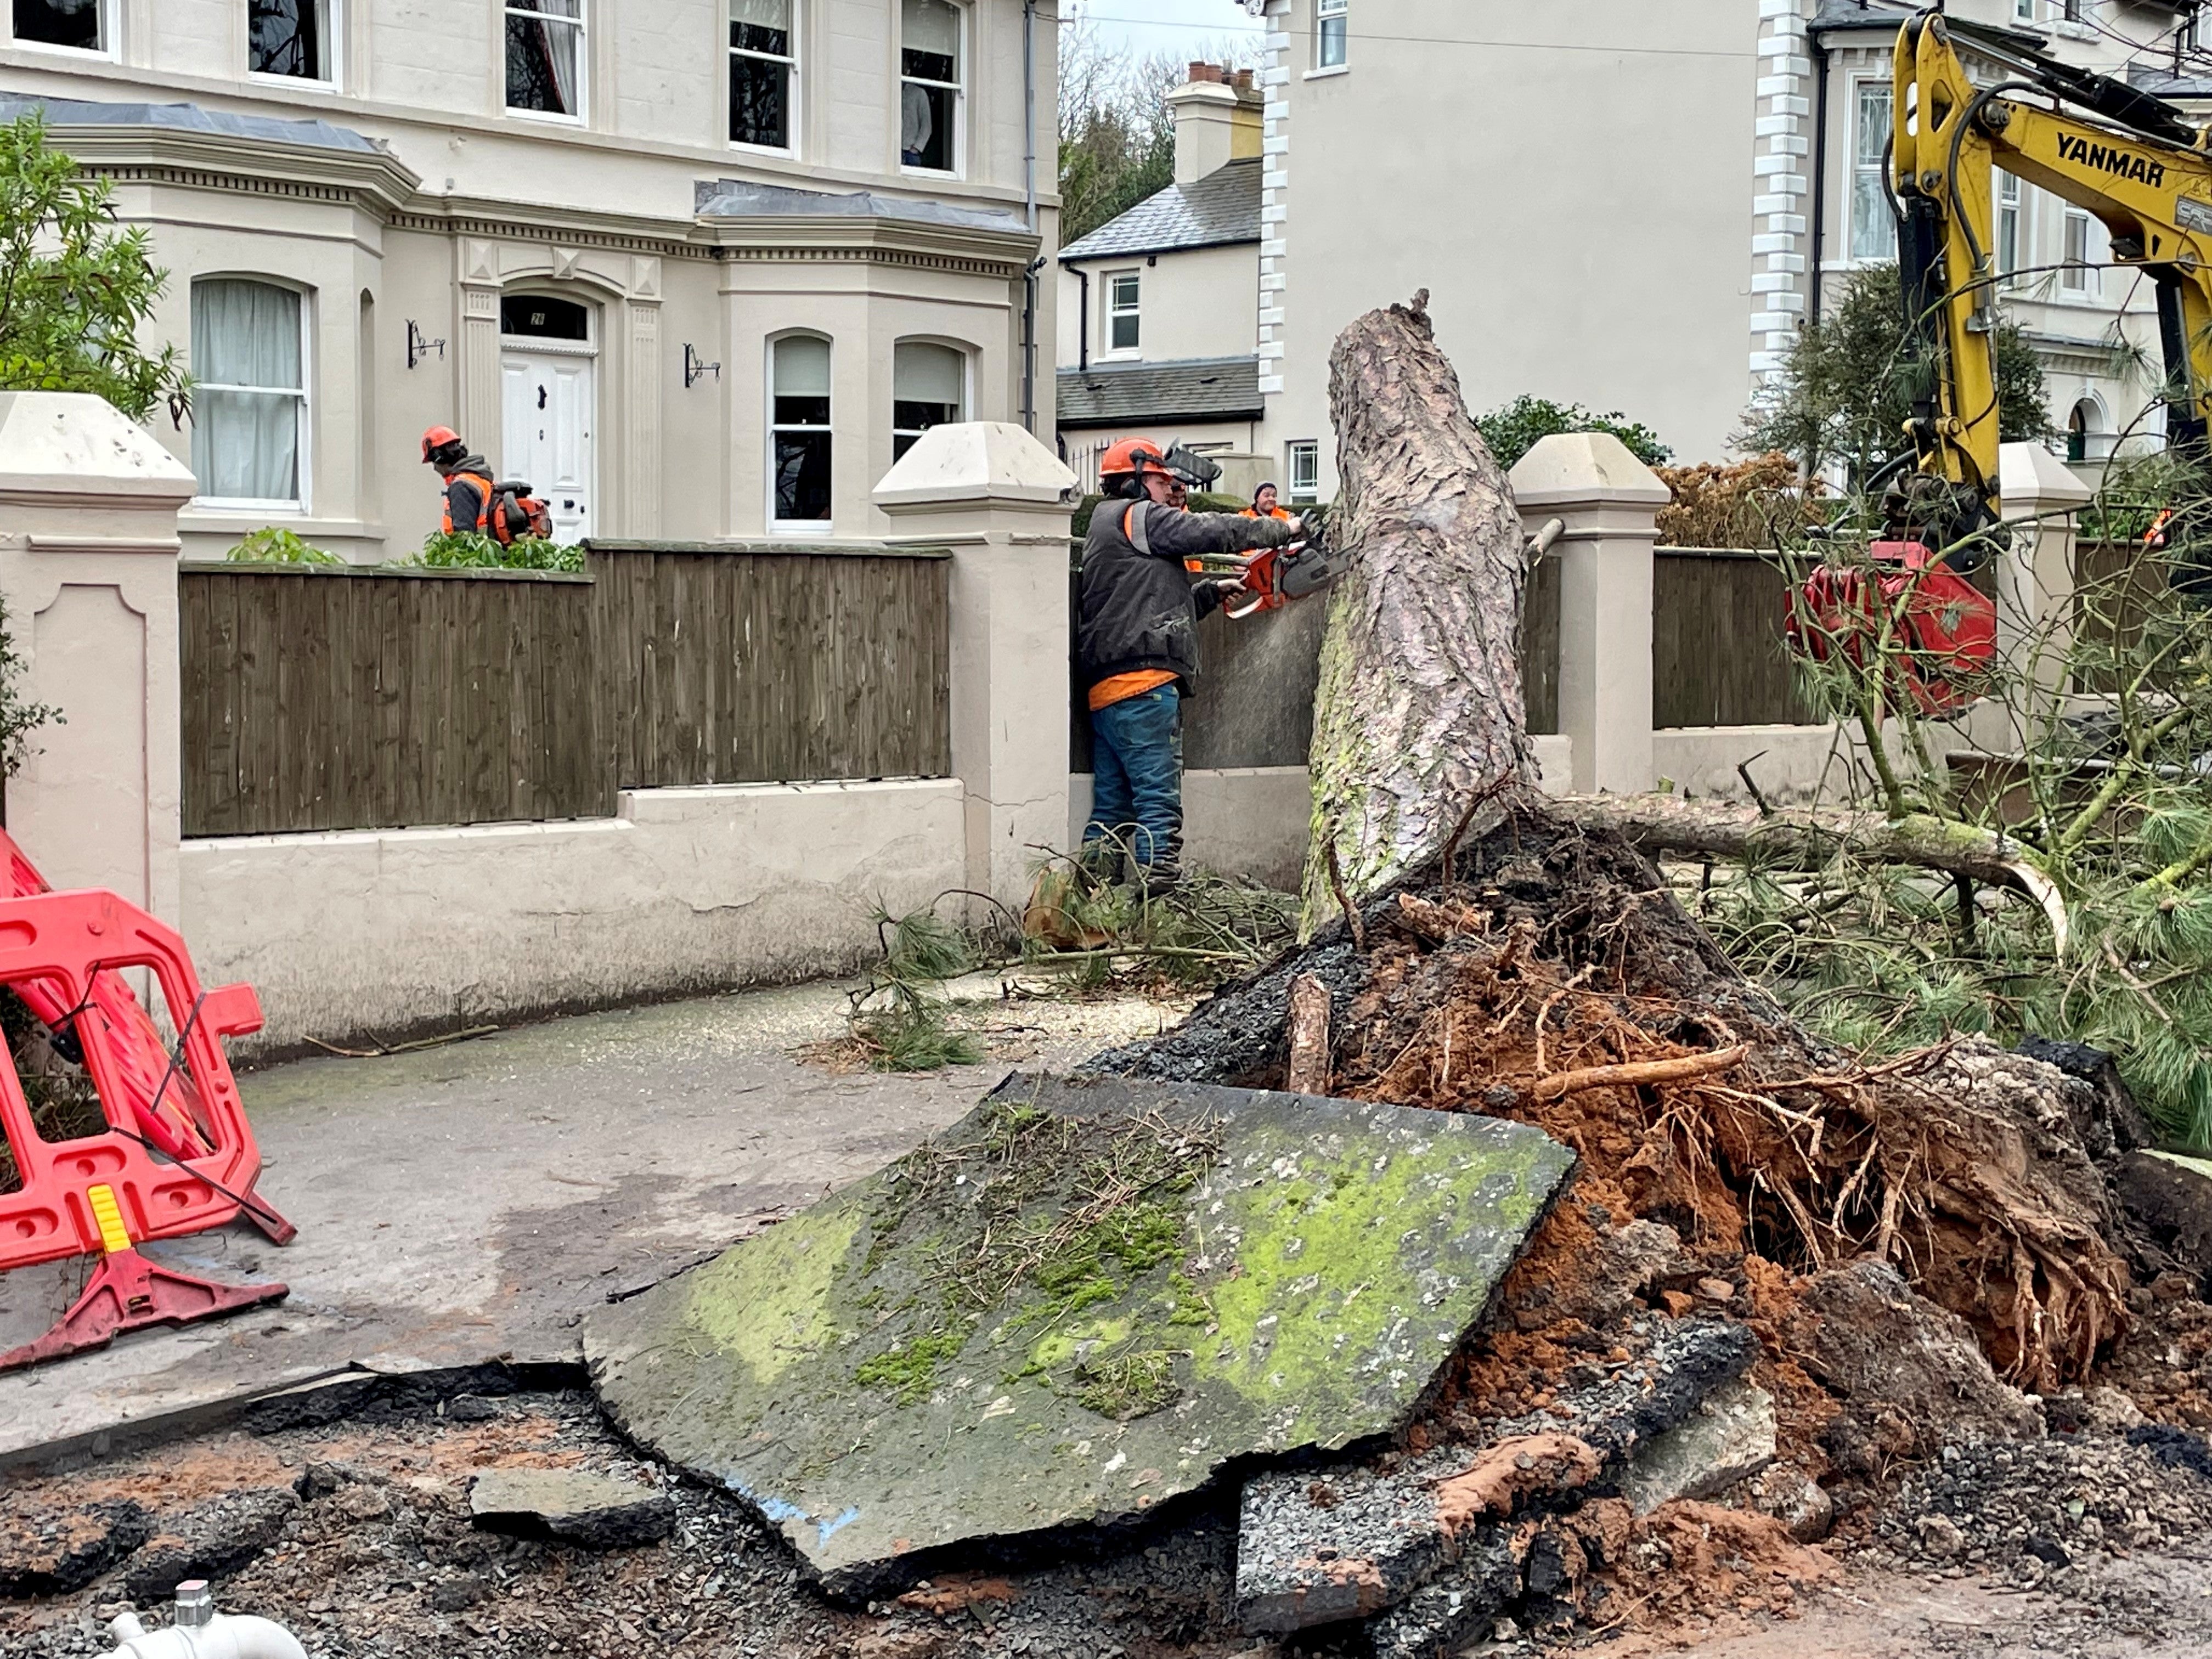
[{"x": 1143, "y": 26}]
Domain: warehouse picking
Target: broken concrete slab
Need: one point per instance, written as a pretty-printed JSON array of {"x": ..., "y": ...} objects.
[
  {"x": 211, "y": 1541},
  {"x": 1315, "y": 1546},
  {"x": 55, "y": 1551},
  {"x": 1442, "y": 1617},
  {"x": 1728, "y": 1439},
  {"x": 591, "y": 1511},
  {"x": 1082, "y": 1301}
]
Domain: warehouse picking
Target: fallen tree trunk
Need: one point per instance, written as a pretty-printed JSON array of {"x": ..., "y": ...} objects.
[
  {"x": 1664, "y": 823},
  {"x": 1420, "y": 711}
]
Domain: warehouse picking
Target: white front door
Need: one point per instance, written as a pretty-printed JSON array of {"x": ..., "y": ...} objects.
[{"x": 548, "y": 414}]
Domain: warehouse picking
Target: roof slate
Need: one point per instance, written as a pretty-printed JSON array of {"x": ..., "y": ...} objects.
[
  {"x": 1219, "y": 211},
  {"x": 736, "y": 198},
  {"x": 189, "y": 118},
  {"x": 1196, "y": 389}
]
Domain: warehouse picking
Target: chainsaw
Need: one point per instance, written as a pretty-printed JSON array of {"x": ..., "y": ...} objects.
[{"x": 1276, "y": 575}]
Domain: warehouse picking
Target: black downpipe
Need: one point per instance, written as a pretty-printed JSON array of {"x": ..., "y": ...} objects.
[
  {"x": 1819, "y": 174},
  {"x": 1083, "y": 318}
]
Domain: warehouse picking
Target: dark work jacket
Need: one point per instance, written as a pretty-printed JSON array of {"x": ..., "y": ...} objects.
[{"x": 1139, "y": 607}]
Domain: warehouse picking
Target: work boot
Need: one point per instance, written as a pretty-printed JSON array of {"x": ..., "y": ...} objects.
[{"x": 1156, "y": 881}]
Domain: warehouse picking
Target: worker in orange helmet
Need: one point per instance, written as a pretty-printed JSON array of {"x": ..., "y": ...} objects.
[
  {"x": 1137, "y": 646},
  {"x": 467, "y": 476}
]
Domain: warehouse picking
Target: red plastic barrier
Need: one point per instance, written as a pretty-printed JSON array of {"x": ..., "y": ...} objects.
[{"x": 63, "y": 954}]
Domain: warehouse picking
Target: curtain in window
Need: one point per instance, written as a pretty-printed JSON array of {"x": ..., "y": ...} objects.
[
  {"x": 541, "y": 55},
  {"x": 245, "y": 410},
  {"x": 283, "y": 36},
  {"x": 929, "y": 39},
  {"x": 928, "y": 385},
  {"x": 929, "y": 42},
  {"x": 1874, "y": 231},
  {"x": 802, "y": 392}
]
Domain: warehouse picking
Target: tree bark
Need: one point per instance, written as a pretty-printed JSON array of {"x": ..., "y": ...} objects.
[
  {"x": 1724, "y": 829},
  {"x": 1421, "y": 710}
]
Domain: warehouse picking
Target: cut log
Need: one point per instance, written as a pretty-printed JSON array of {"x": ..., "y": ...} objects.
[
  {"x": 1309, "y": 1072},
  {"x": 1420, "y": 711},
  {"x": 1664, "y": 823}
]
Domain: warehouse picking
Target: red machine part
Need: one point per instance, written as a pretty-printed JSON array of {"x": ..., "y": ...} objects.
[
  {"x": 103, "y": 1194},
  {"x": 1942, "y": 628}
]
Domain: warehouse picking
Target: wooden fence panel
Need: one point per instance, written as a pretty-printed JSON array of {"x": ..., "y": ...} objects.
[
  {"x": 736, "y": 665},
  {"x": 320, "y": 698},
  {"x": 1717, "y": 652}
]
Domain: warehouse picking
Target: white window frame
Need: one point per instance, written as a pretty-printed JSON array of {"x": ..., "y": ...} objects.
[
  {"x": 1862, "y": 91},
  {"x": 109, "y": 51},
  {"x": 959, "y": 88},
  {"x": 1302, "y": 455},
  {"x": 2023, "y": 11},
  {"x": 582, "y": 24},
  {"x": 2011, "y": 209},
  {"x": 966, "y": 357},
  {"x": 792, "y": 97},
  {"x": 2077, "y": 275},
  {"x": 303, "y": 465},
  {"x": 333, "y": 32},
  {"x": 1337, "y": 12},
  {"x": 797, "y": 526},
  {"x": 1112, "y": 312}
]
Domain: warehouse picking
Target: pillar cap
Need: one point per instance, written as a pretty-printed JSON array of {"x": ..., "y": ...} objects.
[
  {"x": 976, "y": 461},
  {"x": 2030, "y": 473},
  {"x": 1585, "y": 469},
  {"x": 72, "y": 443}
]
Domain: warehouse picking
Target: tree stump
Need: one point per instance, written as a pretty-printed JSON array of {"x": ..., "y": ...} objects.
[{"x": 1421, "y": 714}]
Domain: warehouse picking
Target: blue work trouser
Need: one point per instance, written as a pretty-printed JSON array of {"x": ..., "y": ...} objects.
[{"x": 1136, "y": 784}]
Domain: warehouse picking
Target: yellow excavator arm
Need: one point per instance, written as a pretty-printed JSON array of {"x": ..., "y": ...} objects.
[{"x": 2133, "y": 161}]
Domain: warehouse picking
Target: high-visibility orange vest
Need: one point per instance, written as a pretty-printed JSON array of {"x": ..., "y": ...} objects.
[{"x": 485, "y": 491}]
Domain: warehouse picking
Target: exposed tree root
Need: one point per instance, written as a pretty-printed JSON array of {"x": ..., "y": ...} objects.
[{"x": 1557, "y": 981}]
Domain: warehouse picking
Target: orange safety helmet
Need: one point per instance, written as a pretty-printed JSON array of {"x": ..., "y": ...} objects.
[
  {"x": 1132, "y": 458},
  {"x": 436, "y": 439}
]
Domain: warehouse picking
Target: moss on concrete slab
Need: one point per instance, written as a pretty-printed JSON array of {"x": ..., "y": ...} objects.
[{"x": 1079, "y": 1300}]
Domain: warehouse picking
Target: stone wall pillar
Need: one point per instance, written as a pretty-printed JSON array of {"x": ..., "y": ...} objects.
[
  {"x": 2041, "y": 498},
  {"x": 88, "y": 549},
  {"x": 1610, "y": 502},
  {"x": 1000, "y": 501}
]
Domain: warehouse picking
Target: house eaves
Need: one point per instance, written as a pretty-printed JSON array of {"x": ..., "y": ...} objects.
[
  {"x": 1134, "y": 394},
  {"x": 203, "y": 146},
  {"x": 1219, "y": 211}
]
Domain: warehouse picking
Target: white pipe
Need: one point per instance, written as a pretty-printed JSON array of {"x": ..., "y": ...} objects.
[{"x": 200, "y": 1633}]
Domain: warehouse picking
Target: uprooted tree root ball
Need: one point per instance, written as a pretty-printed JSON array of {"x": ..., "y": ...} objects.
[
  {"x": 1732, "y": 1165},
  {"x": 1554, "y": 979}
]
